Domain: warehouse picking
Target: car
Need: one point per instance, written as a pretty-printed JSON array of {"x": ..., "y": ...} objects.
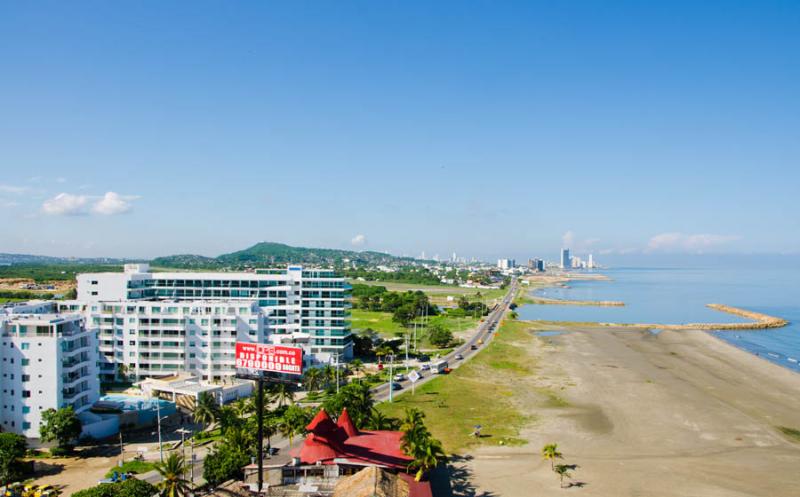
[
  {"x": 274, "y": 450},
  {"x": 459, "y": 357},
  {"x": 424, "y": 367},
  {"x": 396, "y": 386},
  {"x": 473, "y": 347},
  {"x": 399, "y": 377}
]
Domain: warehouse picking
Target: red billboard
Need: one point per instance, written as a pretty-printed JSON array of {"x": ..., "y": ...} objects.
[{"x": 268, "y": 357}]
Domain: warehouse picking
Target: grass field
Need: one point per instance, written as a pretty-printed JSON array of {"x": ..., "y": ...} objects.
[
  {"x": 439, "y": 293},
  {"x": 135, "y": 467},
  {"x": 478, "y": 393},
  {"x": 382, "y": 323}
]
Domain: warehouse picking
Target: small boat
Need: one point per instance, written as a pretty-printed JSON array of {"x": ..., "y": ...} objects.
[
  {"x": 773, "y": 354},
  {"x": 791, "y": 359}
]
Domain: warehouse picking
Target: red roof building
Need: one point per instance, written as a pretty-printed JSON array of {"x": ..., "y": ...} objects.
[{"x": 341, "y": 443}]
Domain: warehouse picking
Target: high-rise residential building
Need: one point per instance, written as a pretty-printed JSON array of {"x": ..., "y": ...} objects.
[
  {"x": 536, "y": 264},
  {"x": 302, "y": 307},
  {"x": 566, "y": 260},
  {"x": 506, "y": 263},
  {"x": 590, "y": 265},
  {"x": 146, "y": 338},
  {"x": 47, "y": 361}
]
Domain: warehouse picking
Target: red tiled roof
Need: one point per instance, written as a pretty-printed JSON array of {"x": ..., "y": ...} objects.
[
  {"x": 344, "y": 422},
  {"x": 416, "y": 488},
  {"x": 327, "y": 442}
]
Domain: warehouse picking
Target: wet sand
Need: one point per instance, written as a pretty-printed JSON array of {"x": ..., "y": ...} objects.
[{"x": 680, "y": 413}]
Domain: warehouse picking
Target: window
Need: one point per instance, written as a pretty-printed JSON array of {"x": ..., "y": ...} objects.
[
  {"x": 25, "y": 362},
  {"x": 25, "y": 346},
  {"x": 94, "y": 282},
  {"x": 26, "y": 377},
  {"x": 94, "y": 294},
  {"x": 26, "y": 394},
  {"x": 26, "y": 425},
  {"x": 26, "y": 409}
]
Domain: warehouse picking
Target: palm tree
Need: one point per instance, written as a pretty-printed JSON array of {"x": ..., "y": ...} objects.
[
  {"x": 243, "y": 408},
  {"x": 293, "y": 422},
  {"x": 228, "y": 417},
  {"x": 206, "y": 409},
  {"x": 427, "y": 456},
  {"x": 283, "y": 393},
  {"x": 378, "y": 420},
  {"x": 312, "y": 379},
  {"x": 173, "y": 484},
  {"x": 562, "y": 470},
  {"x": 357, "y": 366},
  {"x": 550, "y": 451},
  {"x": 328, "y": 374}
]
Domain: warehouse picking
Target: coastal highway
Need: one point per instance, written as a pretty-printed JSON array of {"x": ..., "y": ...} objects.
[{"x": 483, "y": 332}]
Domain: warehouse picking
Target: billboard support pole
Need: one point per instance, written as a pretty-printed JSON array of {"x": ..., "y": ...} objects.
[{"x": 260, "y": 414}]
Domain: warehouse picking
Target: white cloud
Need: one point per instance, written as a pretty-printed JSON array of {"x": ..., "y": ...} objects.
[
  {"x": 61, "y": 180},
  {"x": 13, "y": 189},
  {"x": 8, "y": 203},
  {"x": 358, "y": 240},
  {"x": 681, "y": 242},
  {"x": 568, "y": 239},
  {"x": 66, "y": 204},
  {"x": 113, "y": 203}
]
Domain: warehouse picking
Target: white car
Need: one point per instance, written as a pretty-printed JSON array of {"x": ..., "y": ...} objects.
[{"x": 399, "y": 377}]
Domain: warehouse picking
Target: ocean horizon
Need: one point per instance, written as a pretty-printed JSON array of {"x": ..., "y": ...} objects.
[{"x": 678, "y": 295}]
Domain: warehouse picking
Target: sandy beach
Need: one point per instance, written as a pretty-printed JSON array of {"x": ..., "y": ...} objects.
[{"x": 679, "y": 413}]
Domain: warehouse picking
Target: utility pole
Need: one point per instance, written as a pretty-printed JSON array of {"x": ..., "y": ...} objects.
[
  {"x": 121, "y": 449},
  {"x": 260, "y": 414},
  {"x": 191, "y": 466},
  {"x": 407, "y": 348},
  {"x": 391, "y": 376},
  {"x": 158, "y": 416}
]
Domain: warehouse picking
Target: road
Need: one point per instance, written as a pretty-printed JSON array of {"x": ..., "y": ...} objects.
[{"x": 483, "y": 332}]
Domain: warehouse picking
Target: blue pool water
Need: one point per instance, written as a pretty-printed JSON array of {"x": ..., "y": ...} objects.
[{"x": 676, "y": 296}]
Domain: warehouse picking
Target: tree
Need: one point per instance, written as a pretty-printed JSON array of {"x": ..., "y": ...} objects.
[
  {"x": 173, "y": 483},
  {"x": 562, "y": 470},
  {"x": 312, "y": 379},
  {"x": 206, "y": 409},
  {"x": 61, "y": 426},
  {"x": 439, "y": 335},
  {"x": 283, "y": 393},
  {"x": 418, "y": 443},
  {"x": 225, "y": 462},
  {"x": 550, "y": 452},
  {"x": 356, "y": 398},
  {"x": 357, "y": 365},
  {"x": 404, "y": 314},
  {"x": 128, "y": 488},
  {"x": 122, "y": 371},
  {"x": 379, "y": 421},
  {"x": 229, "y": 418},
  {"x": 293, "y": 422},
  {"x": 12, "y": 449}
]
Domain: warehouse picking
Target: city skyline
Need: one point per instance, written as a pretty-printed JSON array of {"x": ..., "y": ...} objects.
[{"x": 258, "y": 123}]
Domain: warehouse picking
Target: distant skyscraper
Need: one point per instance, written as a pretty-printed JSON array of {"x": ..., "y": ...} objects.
[
  {"x": 566, "y": 260},
  {"x": 506, "y": 263},
  {"x": 591, "y": 261}
]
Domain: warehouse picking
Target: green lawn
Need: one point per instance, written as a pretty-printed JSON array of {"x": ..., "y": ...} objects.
[
  {"x": 479, "y": 392},
  {"x": 439, "y": 293},
  {"x": 382, "y": 323},
  {"x": 135, "y": 467}
]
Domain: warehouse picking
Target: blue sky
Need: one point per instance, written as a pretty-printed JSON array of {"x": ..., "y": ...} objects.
[{"x": 487, "y": 128}]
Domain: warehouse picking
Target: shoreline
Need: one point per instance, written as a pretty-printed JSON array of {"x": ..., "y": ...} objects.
[
  {"x": 677, "y": 413},
  {"x": 759, "y": 321}
]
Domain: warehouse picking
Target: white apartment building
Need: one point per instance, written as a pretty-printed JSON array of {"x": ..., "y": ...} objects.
[
  {"x": 47, "y": 360},
  {"x": 150, "y": 338},
  {"x": 301, "y": 307}
]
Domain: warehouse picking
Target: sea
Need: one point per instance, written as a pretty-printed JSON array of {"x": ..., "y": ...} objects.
[{"x": 676, "y": 295}]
